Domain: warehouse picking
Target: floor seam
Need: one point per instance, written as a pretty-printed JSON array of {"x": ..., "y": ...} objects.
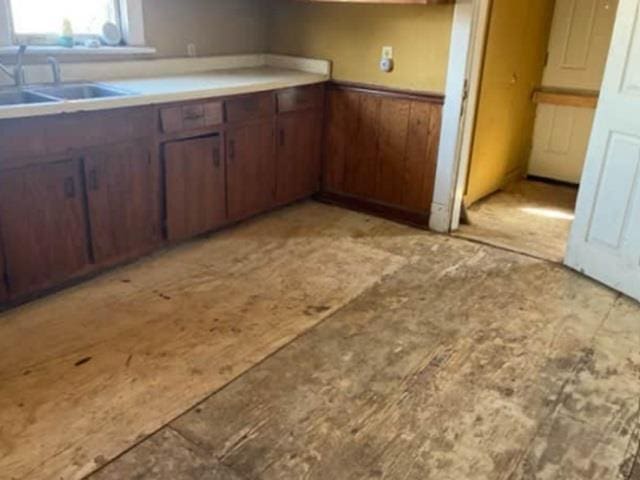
[{"x": 254, "y": 366}]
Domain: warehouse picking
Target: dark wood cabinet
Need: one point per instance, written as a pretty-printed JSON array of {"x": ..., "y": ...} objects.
[
  {"x": 251, "y": 169},
  {"x": 123, "y": 200},
  {"x": 83, "y": 191},
  {"x": 194, "y": 187},
  {"x": 299, "y": 137},
  {"x": 44, "y": 226}
]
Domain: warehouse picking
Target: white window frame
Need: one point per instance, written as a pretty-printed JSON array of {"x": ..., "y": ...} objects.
[{"x": 131, "y": 20}]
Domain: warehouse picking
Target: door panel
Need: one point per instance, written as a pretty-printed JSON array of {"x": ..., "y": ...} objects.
[
  {"x": 195, "y": 187},
  {"x": 251, "y": 169},
  {"x": 43, "y": 225},
  {"x": 605, "y": 239},
  {"x": 123, "y": 200},
  {"x": 579, "y": 42},
  {"x": 299, "y": 137},
  {"x": 560, "y": 139}
]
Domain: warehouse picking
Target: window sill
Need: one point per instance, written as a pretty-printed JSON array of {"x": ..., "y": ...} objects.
[{"x": 54, "y": 50}]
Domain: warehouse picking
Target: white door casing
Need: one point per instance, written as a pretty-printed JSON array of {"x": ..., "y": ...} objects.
[
  {"x": 605, "y": 238},
  {"x": 468, "y": 38}
]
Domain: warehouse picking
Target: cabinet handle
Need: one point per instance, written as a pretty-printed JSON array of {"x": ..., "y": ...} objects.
[
  {"x": 93, "y": 180},
  {"x": 232, "y": 149},
  {"x": 69, "y": 187},
  {"x": 216, "y": 157},
  {"x": 282, "y": 138}
]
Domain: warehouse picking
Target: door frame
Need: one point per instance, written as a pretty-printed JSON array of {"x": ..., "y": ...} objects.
[{"x": 464, "y": 75}]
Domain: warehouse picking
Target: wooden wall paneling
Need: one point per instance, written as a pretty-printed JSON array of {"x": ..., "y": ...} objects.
[
  {"x": 393, "y": 121},
  {"x": 361, "y": 165},
  {"x": 122, "y": 200},
  {"x": 341, "y": 122},
  {"x": 381, "y": 148},
  {"x": 43, "y": 222},
  {"x": 195, "y": 187},
  {"x": 251, "y": 168},
  {"x": 421, "y": 156}
]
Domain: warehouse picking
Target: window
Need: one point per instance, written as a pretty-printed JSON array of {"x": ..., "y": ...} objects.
[
  {"x": 43, "y": 27},
  {"x": 40, "y": 22}
]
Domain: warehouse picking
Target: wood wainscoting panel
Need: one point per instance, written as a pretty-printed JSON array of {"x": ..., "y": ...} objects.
[{"x": 381, "y": 146}]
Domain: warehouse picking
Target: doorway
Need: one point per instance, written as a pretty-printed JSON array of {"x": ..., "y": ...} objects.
[{"x": 542, "y": 70}]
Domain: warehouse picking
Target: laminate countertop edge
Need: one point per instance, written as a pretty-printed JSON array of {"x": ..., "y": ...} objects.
[{"x": 175, "y": 88}]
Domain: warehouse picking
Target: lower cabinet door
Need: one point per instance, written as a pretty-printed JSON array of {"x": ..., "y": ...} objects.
[
  {"x": 43, "y": 223},
  {"x": 122, "y": 184},
  {"x": 299, "y": 137},
  {"x": 195, "y": 187},
  {"x": 251, "y": 169}
]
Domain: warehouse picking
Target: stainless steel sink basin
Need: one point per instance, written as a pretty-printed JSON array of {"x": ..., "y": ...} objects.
[
  {"x": 22, "y": 97},
  {"x": 80, "y": 91}
]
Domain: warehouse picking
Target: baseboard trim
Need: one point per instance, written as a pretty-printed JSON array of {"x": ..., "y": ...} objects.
[
  {"x": 551, "y": 181},
  {"x": 390, "y": 212}
]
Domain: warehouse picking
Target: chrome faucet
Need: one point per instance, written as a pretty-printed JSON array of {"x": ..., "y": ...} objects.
[
  {"x": 55, "y": 70},
  {"x": 17, "y": 75}
]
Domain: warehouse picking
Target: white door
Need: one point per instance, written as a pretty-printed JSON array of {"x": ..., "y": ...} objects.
[{"x": 605, "y": 239}]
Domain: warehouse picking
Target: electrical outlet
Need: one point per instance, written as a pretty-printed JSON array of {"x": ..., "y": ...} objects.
[
  {"x": 387, "y": 53},
  {"x": 192, "y": 50}
]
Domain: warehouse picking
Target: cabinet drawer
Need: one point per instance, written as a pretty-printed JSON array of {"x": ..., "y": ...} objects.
[
  {"x": 250, "y": 107},
  {"x": 191, "y": 117},
  {"x": 300, "y": 98}
]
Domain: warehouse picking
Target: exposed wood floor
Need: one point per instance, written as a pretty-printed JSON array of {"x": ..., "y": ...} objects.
[
  {"x": 528, "y": 217},
  {"x": 414, "y": 356}
]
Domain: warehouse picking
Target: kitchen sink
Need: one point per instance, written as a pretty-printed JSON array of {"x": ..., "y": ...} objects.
[
  {"x": 80, "y": 91},
  {"x": 21, "y": 97}
]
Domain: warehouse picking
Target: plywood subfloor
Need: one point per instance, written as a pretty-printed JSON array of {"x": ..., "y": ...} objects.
[
  {"x": 468, "y": 362},
  {"x": 414, "y": 356},
  {"x": 528, "y": 217},
  {"x": 90, "y": 371}
]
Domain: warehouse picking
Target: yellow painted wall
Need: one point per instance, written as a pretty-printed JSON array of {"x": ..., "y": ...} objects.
[
  {"x": 514, "y": 62},
  {"x": 352, "y": 35},
  {"x": 216, "y": 27}
]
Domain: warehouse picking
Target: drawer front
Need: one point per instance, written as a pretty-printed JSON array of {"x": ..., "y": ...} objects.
[
  {"x": 250, "y": 107},
  {"x": 300, "y": 98},
  {"x": 182, "y": 118},
  {"x": 59, "y": 134}
]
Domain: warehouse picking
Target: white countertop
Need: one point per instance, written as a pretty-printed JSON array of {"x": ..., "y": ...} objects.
[{"x": 174, "y": 88}]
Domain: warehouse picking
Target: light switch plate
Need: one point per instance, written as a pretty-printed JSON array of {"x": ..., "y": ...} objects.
[{"x": 387, "y": 53}]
